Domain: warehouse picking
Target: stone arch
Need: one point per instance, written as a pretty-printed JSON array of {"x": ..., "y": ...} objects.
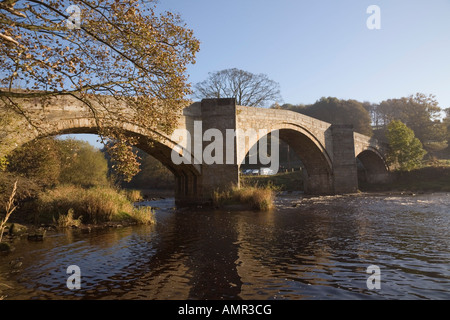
[
  {"x": 160, "y": 147},
  {"x": 317, "y": 163},
  {"x": 372, "y": 166},
  {"x": 318, "y": 168}
]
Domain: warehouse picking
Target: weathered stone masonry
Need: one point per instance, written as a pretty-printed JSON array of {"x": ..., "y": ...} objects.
[{"x": 329, "y": 152}]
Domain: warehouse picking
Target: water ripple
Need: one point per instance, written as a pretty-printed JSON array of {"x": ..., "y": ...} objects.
[{"x": 319, "y": 248}]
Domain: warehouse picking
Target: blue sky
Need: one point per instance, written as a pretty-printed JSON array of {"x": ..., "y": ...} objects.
[{"x": 323, "y": 47}]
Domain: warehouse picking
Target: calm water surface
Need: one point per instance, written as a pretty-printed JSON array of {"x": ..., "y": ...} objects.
[{"x": 311, "y": 248}]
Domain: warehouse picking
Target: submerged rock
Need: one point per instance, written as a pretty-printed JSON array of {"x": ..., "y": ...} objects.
[
  {"x": 37, "y": 236},
  {"x": 16, "y": 263}
]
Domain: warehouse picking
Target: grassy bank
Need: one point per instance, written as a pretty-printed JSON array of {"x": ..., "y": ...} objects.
[
  {"x": 433, "y": 177},
  {"x": 426, "y": 179},
  {"x": 287, "y": 181},
  {"x": 256, "y": 198},
  {"x": 70, "y": 206}
]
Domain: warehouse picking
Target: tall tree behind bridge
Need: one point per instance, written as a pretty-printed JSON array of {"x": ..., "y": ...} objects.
[
  {"x": 405, "y": 149},
  {"x": 446, "y": 123},
  {"x": 89, "y": 49},
  {"x": 338, "y": 111},
  {"x": 251, "y": 90},
  {"x": 419, "y": 112}
]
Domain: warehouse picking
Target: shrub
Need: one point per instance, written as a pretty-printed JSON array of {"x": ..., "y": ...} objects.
[
  {"x": 75, "y": 155},
  {"x": 50, "y": 162}
]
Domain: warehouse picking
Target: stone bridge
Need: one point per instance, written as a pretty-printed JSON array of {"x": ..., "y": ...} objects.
[{"x": 332, "y": 155}]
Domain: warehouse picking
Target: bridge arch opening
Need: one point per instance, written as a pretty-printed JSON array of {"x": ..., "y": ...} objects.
[
  {"x": 186, "y": 175},
  {"x": 372, "y": 168},
  {"x": 308, "y": 155}
]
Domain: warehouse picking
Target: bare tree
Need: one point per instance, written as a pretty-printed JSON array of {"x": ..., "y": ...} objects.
[
  {"x": 10, "y": 207},
  {"x": 253, "y": 90}
]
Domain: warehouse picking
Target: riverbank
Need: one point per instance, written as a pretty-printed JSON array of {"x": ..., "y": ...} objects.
[
  {"x": 283, "y": 181},
  {"x": 426, "y": 179},
  {"x": 156, "y": 194},
  {"x": 36, "y": 233},
  {"x": 68, "y": 206}
]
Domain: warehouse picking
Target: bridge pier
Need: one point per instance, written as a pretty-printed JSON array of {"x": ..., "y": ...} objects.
[
  {"x": 317, "y": 183},
  {"x": 345, "y": 173},
  {"x": 219, "y": 114},
  {"x": 186, "y": 189}
]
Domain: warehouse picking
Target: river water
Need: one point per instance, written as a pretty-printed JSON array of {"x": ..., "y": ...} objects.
[{"x": 308, "y": 248}]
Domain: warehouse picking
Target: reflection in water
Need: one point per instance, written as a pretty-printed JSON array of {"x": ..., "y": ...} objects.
[{"x": 318, "y": 248}]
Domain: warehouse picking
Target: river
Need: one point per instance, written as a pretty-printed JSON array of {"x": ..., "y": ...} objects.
[{"x": 308, "y": 248}]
